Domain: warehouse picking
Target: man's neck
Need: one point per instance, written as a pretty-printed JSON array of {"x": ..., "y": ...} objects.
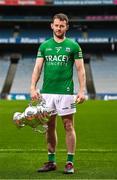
[{"x": 59, "y": 40}]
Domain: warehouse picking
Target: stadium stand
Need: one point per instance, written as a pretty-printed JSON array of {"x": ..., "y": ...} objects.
[
  {"x": 104, "y": 77},
  {"x": 4, "y": 65},
  {"x": 92, "y": 23},
  {"x": 22, "y": 78},
  {"x": 36, "y": 33},
  {"x": 104, "y": 70},
  {"x": 6, "y": 33}
]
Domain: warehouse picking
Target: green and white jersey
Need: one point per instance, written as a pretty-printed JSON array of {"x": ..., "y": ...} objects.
[{"x": 58, "y": 65}]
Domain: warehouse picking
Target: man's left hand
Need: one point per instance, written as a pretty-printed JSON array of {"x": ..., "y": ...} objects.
[{"x": 80, "y": 98}]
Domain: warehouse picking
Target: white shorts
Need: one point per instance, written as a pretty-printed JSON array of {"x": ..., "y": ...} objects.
[{"x": 60, "y": 104}]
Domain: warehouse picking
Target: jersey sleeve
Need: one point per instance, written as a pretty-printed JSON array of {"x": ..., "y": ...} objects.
[
  {"x": 40, "y": 53},
  {"x": 77, "y": 51}
]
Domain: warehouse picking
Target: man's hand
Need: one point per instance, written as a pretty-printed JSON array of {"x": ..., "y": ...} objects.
[
  {"x": 35, "y": 95},
  {"x": 80, "y": 98}
]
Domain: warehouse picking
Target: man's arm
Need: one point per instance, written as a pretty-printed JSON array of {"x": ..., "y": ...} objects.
[
  {"x": 35, "y": 77},
  {"x": 82, "y": 80}
]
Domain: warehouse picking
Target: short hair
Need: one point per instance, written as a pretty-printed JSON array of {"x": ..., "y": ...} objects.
[{"x": 62, "y": 17}]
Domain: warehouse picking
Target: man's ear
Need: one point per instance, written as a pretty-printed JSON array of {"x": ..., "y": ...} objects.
[
  {"x": 67, "y": 26},
  {"x": 51, "y": 25}
]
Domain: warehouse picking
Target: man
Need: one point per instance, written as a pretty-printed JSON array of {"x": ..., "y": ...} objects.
[{"x": 58, "y": 55}]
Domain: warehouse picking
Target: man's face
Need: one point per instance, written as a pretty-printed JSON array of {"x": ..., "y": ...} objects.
[{"x": 59, "y": 28}]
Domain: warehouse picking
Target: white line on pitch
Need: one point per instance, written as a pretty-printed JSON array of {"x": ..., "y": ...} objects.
[{"x": 59, "y": 150}]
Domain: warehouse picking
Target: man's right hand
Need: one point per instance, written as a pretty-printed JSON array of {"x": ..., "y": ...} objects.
[{"x": 35, "y": 95}]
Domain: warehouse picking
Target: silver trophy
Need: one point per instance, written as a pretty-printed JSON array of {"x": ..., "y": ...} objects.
[{"x": 34, "y": 116}]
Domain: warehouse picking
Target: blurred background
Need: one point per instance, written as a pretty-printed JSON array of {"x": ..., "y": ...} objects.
[{"x": 25, "y": 24}]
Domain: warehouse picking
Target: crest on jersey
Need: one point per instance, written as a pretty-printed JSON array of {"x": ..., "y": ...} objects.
[
  {"x": 67, "y": 49},
  {"x": 58, "y": 49}
]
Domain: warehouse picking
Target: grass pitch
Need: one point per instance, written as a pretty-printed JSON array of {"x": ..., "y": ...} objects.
[{"x": 23, "y": 151}]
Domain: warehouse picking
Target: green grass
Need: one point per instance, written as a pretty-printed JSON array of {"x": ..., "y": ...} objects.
[{"x": 23, "y": 151}]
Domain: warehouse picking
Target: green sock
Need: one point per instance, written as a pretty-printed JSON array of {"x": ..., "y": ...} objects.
[
  {"x": 70, "y": 157},
  {"x": 51, "y": 157}
]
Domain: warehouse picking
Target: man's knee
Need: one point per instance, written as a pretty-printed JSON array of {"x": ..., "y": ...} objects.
[
  {"x": 52, "y": 123},
  {"x": 68, "y": 126}
]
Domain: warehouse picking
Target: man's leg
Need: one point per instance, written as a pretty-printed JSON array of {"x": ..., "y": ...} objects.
[
  {"x": 51, "y": 137},
  {"x": 70, "y": 141},
  {"x": 70, "y": 132}
]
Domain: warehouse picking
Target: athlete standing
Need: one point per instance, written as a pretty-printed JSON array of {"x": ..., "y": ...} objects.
[{"x": 58, "y": 56}]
